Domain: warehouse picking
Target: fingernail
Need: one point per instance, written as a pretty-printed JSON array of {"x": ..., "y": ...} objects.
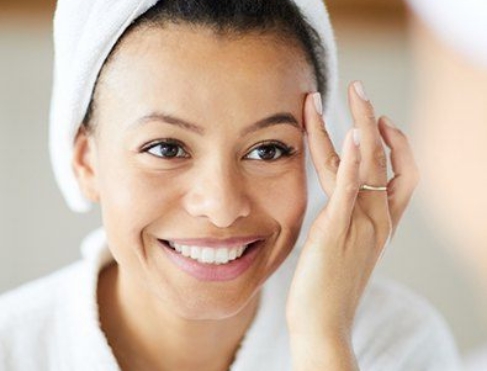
[
  {"x": 356, "y": 137},
  {"x": 318, "y": 103},
  {"x": 359, "y": 89},
  {"x": 388, "y": 122}
]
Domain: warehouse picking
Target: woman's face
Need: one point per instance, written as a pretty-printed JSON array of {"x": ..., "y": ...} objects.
[{"x": 199, "y": 146}]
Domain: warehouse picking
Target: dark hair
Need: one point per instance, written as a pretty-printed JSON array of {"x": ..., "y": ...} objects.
[{"x": 281, "y": 18}]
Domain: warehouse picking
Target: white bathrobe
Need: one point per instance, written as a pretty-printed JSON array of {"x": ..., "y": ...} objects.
[{"x": 53, "y": 324}]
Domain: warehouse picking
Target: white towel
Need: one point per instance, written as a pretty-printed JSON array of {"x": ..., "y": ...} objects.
[{"x": 85, "y": 31}]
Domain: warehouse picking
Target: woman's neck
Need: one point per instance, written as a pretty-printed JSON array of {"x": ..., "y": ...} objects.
[{"x": 145, "y": 335}]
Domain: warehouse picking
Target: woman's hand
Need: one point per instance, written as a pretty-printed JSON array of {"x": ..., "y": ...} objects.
[{"x": 350, "y": 233}]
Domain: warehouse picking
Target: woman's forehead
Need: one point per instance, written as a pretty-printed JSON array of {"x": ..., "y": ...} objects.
[
  {"x": 193, "y": 51},
  {"x": 185, "y": 66}
]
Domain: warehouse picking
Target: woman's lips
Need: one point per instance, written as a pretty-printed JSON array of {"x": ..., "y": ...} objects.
[{"x": 210, "y": 270}]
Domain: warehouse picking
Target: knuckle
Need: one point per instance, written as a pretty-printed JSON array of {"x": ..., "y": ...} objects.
[
  {"x": 322, "y": 130},
  {"x": 380, "y": 158},
  {"x": 332, "y": 162},
  {"x": 369, "y": 113},
  {"x": 356, "y": 162}
]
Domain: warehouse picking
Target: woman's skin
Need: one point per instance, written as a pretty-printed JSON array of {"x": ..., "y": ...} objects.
[{"x": 157, "y": 317}]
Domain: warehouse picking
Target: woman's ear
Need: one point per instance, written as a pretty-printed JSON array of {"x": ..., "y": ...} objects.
[{"x": 84, "y": 164}]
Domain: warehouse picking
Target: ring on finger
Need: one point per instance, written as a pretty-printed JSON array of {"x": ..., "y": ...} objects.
[{"x": 367, "y": 187}]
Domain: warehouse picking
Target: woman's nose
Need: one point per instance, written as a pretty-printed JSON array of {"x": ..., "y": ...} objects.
[{"x": 218, "y": 195}]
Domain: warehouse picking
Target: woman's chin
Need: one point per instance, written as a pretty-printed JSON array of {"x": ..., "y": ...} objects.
[{"x": 217, "y": 307}]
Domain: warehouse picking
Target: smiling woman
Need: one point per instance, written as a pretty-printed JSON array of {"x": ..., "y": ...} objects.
[
  {"x": 224, "y": 164},
  {"x": 188, "y": 122}
]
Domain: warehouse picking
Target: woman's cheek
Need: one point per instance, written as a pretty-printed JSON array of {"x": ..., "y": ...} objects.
[
  {"x": 132, "y": 197},
  {"x": 284, "y": 197}
]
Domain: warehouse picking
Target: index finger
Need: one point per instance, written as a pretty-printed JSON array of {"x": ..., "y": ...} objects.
[{"x": 325, "y": 158}]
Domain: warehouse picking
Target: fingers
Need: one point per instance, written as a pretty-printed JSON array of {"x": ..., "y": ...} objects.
[
  {"x": 342, "y": 203},
  {"x": 406, "y": 174},
  {"x": 374, "y": 160},
  {"x": 363, "y": 161},
  {"x": 323, "y": 154}
]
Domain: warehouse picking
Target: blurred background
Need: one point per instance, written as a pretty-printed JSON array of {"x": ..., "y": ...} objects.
[{"x": 39, "y": 234}]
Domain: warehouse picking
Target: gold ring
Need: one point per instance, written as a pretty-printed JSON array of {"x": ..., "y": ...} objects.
[{"x": 366, "y": 187}]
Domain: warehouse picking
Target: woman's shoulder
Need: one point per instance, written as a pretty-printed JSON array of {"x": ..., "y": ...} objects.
[{"x": 395, "y": 323}]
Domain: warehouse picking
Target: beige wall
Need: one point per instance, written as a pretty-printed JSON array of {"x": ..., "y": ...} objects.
[{"x": 39, "y": 234}]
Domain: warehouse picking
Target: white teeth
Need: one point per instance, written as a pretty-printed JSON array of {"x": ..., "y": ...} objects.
[
  {"x": 186, "y": 250},
  {"x": 221, "y": 256},
  {"x": 209, "y": 255},
  {"x": 195, "y": 253},
  {"x": 233, "y": 254}
]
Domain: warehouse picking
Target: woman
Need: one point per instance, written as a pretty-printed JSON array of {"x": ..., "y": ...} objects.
[{"x": 193, "y": 140}]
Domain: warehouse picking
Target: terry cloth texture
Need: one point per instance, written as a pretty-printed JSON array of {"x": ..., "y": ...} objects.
[
  {"x": 53, "y": 325},
  {"x": 85, "y": 32}
]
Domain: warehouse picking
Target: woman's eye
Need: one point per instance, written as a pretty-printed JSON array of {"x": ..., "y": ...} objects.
[
  {"x": 269, "y": 152},
  {"x": 167, "y": 150}
]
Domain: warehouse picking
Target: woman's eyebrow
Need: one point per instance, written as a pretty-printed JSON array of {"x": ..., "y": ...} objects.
[
  {"x": 276, "y": 119},
  {"x": 279, "y": 118},
  {"x": 169, "y": 119}
]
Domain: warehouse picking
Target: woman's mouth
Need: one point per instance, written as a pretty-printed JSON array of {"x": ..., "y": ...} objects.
[
  {"x": 212, "y": 261},
  {"x": 209, "y": 255}
]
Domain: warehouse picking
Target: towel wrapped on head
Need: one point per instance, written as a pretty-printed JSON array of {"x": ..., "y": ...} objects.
[{"x": 84, "y": 34}]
